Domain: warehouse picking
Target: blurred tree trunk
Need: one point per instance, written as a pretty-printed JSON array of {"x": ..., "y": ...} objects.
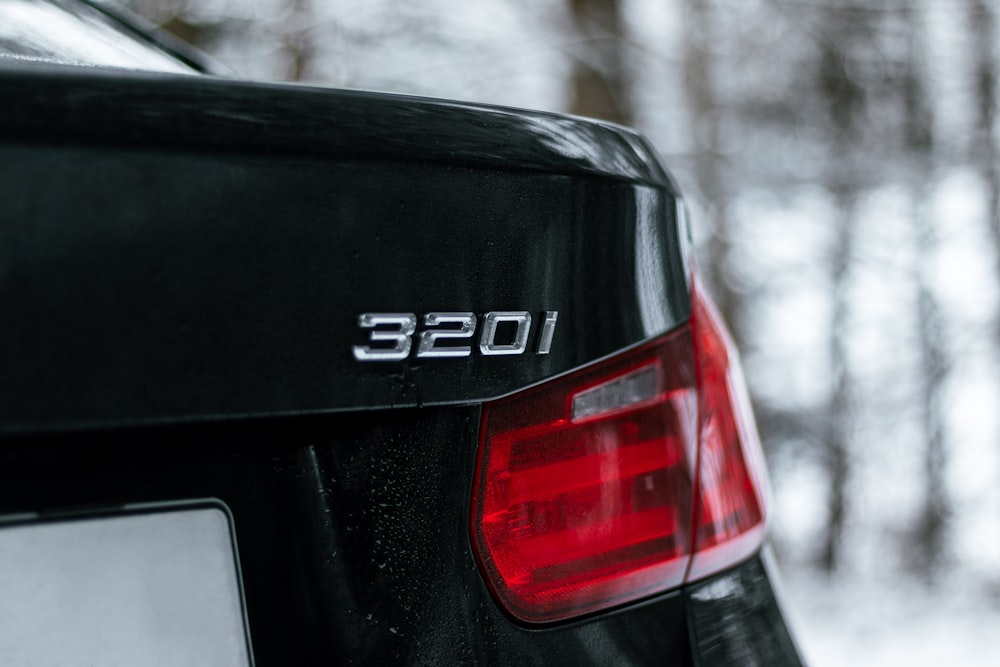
[
  {"x": 837, "y": 432},
  {"x": 600, "y": 81},
  {"x": 298, "y": 40},
  {"x": 843, "y": 98},
  {"x": 930, "y": 534},
  {"x": 705, "y": 114},
  {"x": 984, "y": 153}
]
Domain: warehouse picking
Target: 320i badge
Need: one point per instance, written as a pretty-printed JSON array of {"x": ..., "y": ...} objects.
[{"x": 448, "y": 326}]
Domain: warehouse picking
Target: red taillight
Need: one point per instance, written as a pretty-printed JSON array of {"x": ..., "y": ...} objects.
[
  {"x": 585, "y": 486},
  {"x": 731, "y": 474}
]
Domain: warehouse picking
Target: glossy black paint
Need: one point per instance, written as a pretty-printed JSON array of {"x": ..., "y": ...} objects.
[
  {"x": 95, "y": 106},
  {"x": 166, "y": 258},
  {"x": 736, "y": 619}
]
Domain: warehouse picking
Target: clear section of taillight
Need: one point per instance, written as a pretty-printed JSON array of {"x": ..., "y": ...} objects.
[{"x": 585, "y": 489}]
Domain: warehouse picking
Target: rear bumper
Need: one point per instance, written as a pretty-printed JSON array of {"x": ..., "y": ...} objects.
[{"x": 736, "y": 618}]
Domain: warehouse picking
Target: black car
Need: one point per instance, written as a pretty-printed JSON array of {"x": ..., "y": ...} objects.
[{"x": 295, "y": 376}]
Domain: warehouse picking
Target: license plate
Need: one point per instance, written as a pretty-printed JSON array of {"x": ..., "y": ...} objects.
[{"x": 150, "y": 586}]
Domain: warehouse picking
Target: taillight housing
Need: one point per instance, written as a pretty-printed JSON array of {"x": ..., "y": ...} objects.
[{"x": 621, "y": 480}]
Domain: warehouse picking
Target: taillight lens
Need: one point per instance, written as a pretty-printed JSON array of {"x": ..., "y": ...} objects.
[
  {"x": 585, "y": 487},
  {"x": 732, "y": 481}
]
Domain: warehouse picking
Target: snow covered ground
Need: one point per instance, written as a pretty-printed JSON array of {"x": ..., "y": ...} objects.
[{"x": 880, "y": 623}]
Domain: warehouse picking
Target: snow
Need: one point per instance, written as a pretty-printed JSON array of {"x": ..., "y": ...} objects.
[{"x": 878, "y": 623}]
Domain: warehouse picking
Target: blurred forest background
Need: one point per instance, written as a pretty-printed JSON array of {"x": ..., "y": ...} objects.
[{"x": 840, "y": 160}]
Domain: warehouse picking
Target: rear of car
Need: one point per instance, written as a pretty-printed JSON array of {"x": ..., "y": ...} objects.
[{"x": 344, "y": 376}]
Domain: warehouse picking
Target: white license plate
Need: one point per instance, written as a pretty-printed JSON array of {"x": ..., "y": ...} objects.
[{"x": 156, "y": 586}]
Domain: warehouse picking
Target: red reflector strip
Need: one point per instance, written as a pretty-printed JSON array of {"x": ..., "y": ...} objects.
[
  {"x": 548, "y": 480},
  {"x": 617, "y": 532}
]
